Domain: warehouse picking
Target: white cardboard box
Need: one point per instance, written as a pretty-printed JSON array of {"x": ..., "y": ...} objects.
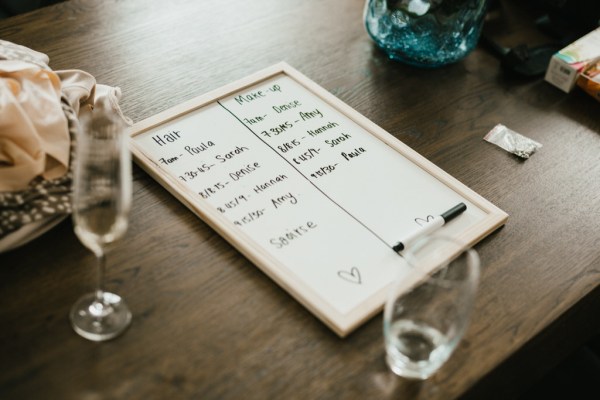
[{"x": 566, "y": 64}]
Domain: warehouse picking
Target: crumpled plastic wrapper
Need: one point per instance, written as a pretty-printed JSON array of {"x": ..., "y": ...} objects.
[{"x": 512, "y": 141}]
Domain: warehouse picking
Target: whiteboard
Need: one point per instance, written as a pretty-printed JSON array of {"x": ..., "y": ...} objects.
[{"x": 309, "y": 190}]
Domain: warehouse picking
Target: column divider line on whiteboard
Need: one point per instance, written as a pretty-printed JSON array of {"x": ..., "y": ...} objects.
[{"x": 305, "y": 177}]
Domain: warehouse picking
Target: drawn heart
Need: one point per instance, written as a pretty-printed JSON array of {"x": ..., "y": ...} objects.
[
  {"x": 352, "y": 276},
  {"x": 422, "y": 221}
]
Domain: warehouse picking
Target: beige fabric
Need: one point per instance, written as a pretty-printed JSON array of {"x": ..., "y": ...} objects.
[
  {"x": 78, "y": 87},
  {"x": 39, "y": 111},
  {"x": 13, "y": 51},
  {"x": 84, "y": 95},
  {"x": 34, "y": 138}
]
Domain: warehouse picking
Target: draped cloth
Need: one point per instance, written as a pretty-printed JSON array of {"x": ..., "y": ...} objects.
[{"x": 39, "y": 110}]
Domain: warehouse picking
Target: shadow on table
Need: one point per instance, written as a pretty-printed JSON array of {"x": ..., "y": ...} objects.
[
  {"x": 392, "y": 386},
  {"x": 9, "y": 8},
  {"x": 575, "y": 378}
]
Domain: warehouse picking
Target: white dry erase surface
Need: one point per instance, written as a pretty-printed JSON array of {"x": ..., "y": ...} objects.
[{"x": 309, "y": 190}]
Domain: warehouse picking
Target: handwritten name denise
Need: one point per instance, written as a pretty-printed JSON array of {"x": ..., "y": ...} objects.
[
  {"x": 286, "y": 107},
  {"x": 245, "y": 171}
]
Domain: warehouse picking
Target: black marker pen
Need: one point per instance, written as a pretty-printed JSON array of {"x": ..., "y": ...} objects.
[{"x": 434, "y": 224}]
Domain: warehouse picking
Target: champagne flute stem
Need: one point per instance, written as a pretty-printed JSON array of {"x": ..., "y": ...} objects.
[{"x": 101, "y": 261}]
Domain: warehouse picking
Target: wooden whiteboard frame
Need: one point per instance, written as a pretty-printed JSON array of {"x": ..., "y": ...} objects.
[{"x": 341, "y": 324}]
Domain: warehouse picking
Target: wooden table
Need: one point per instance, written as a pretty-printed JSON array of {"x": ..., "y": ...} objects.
[{"x": 207, "y": 323}]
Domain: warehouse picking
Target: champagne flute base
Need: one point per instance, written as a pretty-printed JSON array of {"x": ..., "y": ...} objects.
[{"x": 100, "y": 321}]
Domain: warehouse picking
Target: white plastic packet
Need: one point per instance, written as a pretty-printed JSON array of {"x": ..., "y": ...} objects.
[{"x": 512, "y": 141}]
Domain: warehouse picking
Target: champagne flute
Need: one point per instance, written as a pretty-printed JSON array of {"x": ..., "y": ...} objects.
[{"x": 101, "y": 203}]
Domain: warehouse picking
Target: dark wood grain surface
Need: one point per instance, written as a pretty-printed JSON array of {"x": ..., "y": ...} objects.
[{"x": 207, "y": 323}]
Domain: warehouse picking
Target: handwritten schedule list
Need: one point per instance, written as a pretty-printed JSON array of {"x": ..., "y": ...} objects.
[{"x": 317, "y": 192}]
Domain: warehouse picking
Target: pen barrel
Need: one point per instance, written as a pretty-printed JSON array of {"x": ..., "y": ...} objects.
[{"x": 433, "y": 225}]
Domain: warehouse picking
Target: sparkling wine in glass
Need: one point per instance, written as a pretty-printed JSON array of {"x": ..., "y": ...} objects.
[{"x": 101, "y": 203}]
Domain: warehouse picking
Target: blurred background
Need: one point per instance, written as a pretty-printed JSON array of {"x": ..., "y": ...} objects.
[{"x": 9, "y": 8}]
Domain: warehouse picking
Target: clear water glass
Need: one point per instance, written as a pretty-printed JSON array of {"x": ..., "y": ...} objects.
[
  {"x": 101, "y": 204},
  {"x": 425, "y": 33},
  {"x": 424, "y": 322}
]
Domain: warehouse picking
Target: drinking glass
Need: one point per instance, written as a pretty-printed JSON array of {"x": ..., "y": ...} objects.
[
  {"x": 425, "y": 33},
  {"x": 101, "y": 203},
  {"x": 424, "y": 322}
]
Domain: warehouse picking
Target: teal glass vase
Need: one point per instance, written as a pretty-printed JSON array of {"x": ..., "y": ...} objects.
[{"x": 425, "y": 33}]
